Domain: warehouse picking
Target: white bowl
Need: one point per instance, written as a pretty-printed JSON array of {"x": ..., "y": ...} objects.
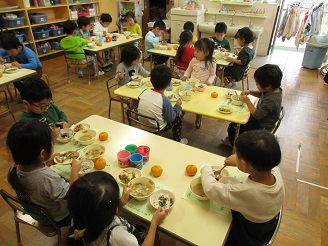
[
  {"x": 137, "y": 78},
  {"x": 235, "y": 100},
  {"x": 156, "y": 46},
  {"x": 193, "y": 81},
  {"x": 134, "y": 35},
  {"x": 127, "y": 174},
  {"x": 224, "y": 109},
  {"x": 126, "y": 33},
  {"x": 142, "y": 188},
  {"x": 92, "y": 45},
  {"x": 65, "y": 135},
  {"x": 196, "y": 189},
  {"x": 229, "y": 93},
  {"x": 163, "y": 47},
  {"x": 162, "y": 198},
  {"x": 200, "y": 87},
  {"x": 85, "y": 138},
  {"x": 186, "y": 95},
  {"x": 86, "y": 167},
  {"x": 93, "y": 151},
  {"x": 81, "y": 127}
]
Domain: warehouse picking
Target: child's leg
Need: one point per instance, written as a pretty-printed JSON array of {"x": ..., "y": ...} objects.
[
  {"x": 198, "y": 122},
  {"x": 176, "y": 126},
  {"x": 160, "y": 59}
]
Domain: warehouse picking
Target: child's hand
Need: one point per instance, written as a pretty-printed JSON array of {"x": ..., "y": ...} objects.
[
  {"x": 76, "y": 165},
  {"x": 208, "y": 83},
  {"x": 230, "y": 161},
  {"x": 63, "y": 124},
  {"x": 229, "y": 59},
  {"x": 244, "y": 98},
  {"x": 179, "y": 101},
  {"x": 104, "y": 32},
  {"x": 51, "y": 162},
  {"x": 236, "y": 52},
  {"x": 223, "y": 50},
  {"x": 2, "y": 61},
  {"x": 120, "y": 75},
  {"x": 211, "y": 39},
  {"x": 159, "y": 216},
  {"x": 245, "y": 93},
  {"x": 16, "y": 64},
  {"x": 184, "y": 78},
  {"x": 55, "y": 132},
  {"x": 125, "y": 195}
]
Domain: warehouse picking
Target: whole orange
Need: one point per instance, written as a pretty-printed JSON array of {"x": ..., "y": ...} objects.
[
  {"x": 193, "y": 89},
  {"x": 156, "y": 170},
  {"x": 214, "y": 94},
  {"x": 100, "y": 163},
  {"x": 175, "y": 47},
  {"x": 103, "y": 136},
  {"x": 127, "y": 37},
  {"x": 169, "y": 48},
  {"x": 191, "y": 170}
]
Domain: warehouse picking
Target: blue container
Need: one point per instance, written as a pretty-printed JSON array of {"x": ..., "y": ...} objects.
[
  {"x": 56, "y": 31},
  {"x": 56, "y": 46},
  {"x": 37, "y": 18},
  {"x": 41, "y": 34},
  {"x": 20, "y": 37},
  {"x": 44, "y": 50},
  {"x": 13, "y": 22}
]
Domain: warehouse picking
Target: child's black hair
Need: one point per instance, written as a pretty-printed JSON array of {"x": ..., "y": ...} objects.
[
  {"x": 189, "y": 26},
  {"x": 130, "y": 14},
  {"x": 246, "y": 34},
  {"x": 83, "y": 21},
  {"x": 92, "y": 202},
  {"x": 160, "y": 76},
  {"x": 268, "y": 75},
  {"x": 35, "y": 90},
  {"x": 9, "y": 41},
  {"x": 220, "y": 27},
  {"x": 106, "y": 18},
  {"x": 205, "y": 45},
  {"x": 129, "y": 54},
  {"x": 160, "y": 24},
  {"x": 69, "y": 27},
  {"x": 26, "y": 140},
  {"x": 259, "y": 148},
  {"x": 185, "y": 37}
]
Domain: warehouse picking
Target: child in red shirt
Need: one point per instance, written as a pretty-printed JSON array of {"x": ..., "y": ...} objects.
[{"x": 185, "y": 52}]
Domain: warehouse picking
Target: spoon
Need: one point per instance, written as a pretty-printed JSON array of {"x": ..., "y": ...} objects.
[
  {"x": 237, "y": 95},
  {"x": 65, "y": 157},
  {"x": 218, "y": 173}
]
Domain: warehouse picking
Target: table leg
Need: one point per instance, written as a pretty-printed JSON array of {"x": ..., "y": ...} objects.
[
  {"x": 151, "y": 61},
  {"x": 122, "y": 109},
  {"x": 236, "y": 136},
  {"x": 222, "y": 78}
]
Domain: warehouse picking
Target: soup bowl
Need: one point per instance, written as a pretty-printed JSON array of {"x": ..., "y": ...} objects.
[
  {"x": 141, "y": 188},
  {"x": 197, "y": 190},
  {"x": 85, "y": 138}
]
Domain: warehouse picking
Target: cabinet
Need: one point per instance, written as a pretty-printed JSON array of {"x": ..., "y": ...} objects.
[
  {"x": 127, "y": 6},
  {"x": 57, "y": 11}
]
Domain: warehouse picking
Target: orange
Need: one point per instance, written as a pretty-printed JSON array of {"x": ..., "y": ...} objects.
[
  {"x": 156, "y": 170},
  {"x": 100, "y": 163},
  {"x": 103, "y": 136},
  {"x": 193, "y": 89},
  {"x": 127, "y": 37},
  {"x": 175, "y": 47},
  {"x": 191, "y": 170},
  {"x": 214, "y": 94},
  {"x": 1, "y": 74},
  {"x": 169, "y": 48}
]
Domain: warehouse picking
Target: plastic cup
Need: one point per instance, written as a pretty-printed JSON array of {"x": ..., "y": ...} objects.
[
  {"x": 132, "y": 148},
  {"x": 123, "y": 158},
  {"x": 144, "y": 150},
  {"x": 137, "y": 160}
]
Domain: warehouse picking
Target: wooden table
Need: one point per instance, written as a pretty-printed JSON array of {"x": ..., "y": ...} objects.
[
  {"x": 188, "y": 221},
  {"x": 169, "y": 53}
]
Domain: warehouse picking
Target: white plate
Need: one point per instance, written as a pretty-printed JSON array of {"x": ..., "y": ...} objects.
[
  {"x": 130, "y": 173},
  {"x": 222, "y": 111},
  {"x": 173, "y": 97},
  {"x": 67, "y": 161},
  {"x": 176, "y": 82},
  {"x": 11, "y": 70},
  {"x": 134, "y": 84}
]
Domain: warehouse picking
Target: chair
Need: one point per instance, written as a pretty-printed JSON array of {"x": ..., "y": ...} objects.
[
  {"x": 115, "y": 98},
  {"x": 269, "y": 243},
  {"x": 137, "y": 118},
  {"x": 6, "y": 108},
  {"x": 177, "y": 71},
  {"x": 71, "y": 64},
  {"x": 282, "y": 114},
  {"x": 23, "y": 216},
  {"x": 245, "y": 77}
]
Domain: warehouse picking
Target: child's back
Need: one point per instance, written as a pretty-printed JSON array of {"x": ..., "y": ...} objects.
[{"x": 185, "y": 52}]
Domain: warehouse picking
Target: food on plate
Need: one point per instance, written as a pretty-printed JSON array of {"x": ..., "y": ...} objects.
[
  {"x": 11, "y": 70},
  {"x": 100, "y": 163},
  {"x": 141, "y": 190},
  {"x": 163, "y": 200},
  {"x": 126, "y": 176},
  {"x": 58, "y": 158},
  {"x": 81, "y": 127},
  {"x": 156, "y": 170},
  {"x": 214, "y": 94},
  {"x": 134, "y": 83},
  {"x": 176, "y": 81},
  {"x": 198, "y": 190},
  {"x": 191, "y": 170},
  {"x": 86, "y": 167},
  {"x": 85, "y": 137},
  {"x": 225, "y": 109},
  {"x": 103, "y": 136},
  {"x": 93, "y": 153}
]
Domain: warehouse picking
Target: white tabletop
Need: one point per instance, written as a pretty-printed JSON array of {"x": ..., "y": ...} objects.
[
  {"x": 169, "y": 53},
  {"x": 188, "y": 221},
  {"x": 17, "y": 76}
]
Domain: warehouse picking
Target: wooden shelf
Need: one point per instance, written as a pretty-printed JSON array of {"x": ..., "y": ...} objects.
[
  {"x": 218, "y": 13},
  {"x": 46, "y": 7},
  {"x": 49, "y": 38},
  {"x": 237, "y": 3},
  {"x": 15, "y": 28},
  {"x": 11, "y": 10},
  {"x": 52, "y": 52},
  {"x": 74, "y": 4}
]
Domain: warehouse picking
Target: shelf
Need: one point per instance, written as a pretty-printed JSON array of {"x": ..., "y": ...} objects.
[
  {"x": 218, "y": 13},
  {"x": 252, "y": 16},
  {"x": 14, "y": 28},
  {"x": 234, "y": 3},
  {"x": 45, "y": 7},
  {"x": 74, "y": 4},
  {"x": 11, "y": 10},
  {"x": 52, "y": 52},
  {"x": 89, "y": 16},
  {"x": 49, "y": 38},
  {"x": 49, "y": 22}
]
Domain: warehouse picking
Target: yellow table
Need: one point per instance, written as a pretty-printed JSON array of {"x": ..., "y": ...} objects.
[
  {"x": 169, "y": 53},
  {"x": 223, "y": 63},
  {"x": 188, "y": 221}
]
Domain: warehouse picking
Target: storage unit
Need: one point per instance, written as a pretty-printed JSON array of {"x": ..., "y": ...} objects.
[
  {"x": 41, "y": 34},
  {"x": 315, "y": 51},
  {"x": 56, "y": 31},
  {"x": 127, "y": 6},
  {"x": 13, "y": 22},
  {"x": 43, "y": 48},
  {"x": 37, "y": 18}
]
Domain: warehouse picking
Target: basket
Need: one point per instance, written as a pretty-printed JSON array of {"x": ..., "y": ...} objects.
[
  {"x": 20, "y": 37},
  {"x": 56, "y": 31},
  {"x": 41, "y": 34},
  {"x": 44, "y": 49},
  {"x": 37, "y": 18},
  {"x": 13, "y": 22},
  {"x": 55, "y": 46}
]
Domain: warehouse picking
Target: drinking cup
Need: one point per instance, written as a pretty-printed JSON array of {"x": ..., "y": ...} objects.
[
  {"x": 137, "y": 160},
  {"x": 107, "y": 39},
  {"x": 102, "y": 40},
  {"x": 132, "y": 148},
  {"x": 144, "y": 150},
  {"x": 123, "y": 158},
  {"x": 170, "y": 87},
  {"x": 114, "y": 37}
]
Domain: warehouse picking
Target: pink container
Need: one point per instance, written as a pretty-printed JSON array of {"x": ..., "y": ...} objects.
[
  {"x": 123, "y": 158},
  {"x": 144, "y": 150}
]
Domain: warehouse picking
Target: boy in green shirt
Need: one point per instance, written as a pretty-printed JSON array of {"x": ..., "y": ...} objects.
[{"x": 220, "y": 42}]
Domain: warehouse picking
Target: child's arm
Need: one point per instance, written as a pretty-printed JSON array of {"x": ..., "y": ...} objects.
[
  {"x": 212, "y": 70},
  {"x": 248, "y": 102},
  {"x": 61, "y": 115},
  {"x": 76, "y": 166},
  {"x": 125, "y": 195},
  {"x": 139, "y": 30},
  {"x": 157, "y": 219},
  {"x": 188, "y": 71},
  {"x": 169, "y": 112},
  {"x": 230, "y": 161},
  {"x": 143, "y": 71},
  {"x": 33, "y": 60},
  {"x": 122, "y": 77}
]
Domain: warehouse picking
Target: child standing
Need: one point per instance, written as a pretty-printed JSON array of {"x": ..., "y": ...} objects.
[
  {"x": 219, "y": 40},
  {"x": 93, "y": 201},
  {"x": 235, "y": 72},
  {"x": 202, "y": 67},
  {"x": 189, "y": 26},
  {"x": 31, "y": 147},
  {"x": 133, "y": 26},
  {"x": 155, "y": 104},
  {"x": 266, "y": 113},
  {"x": 185, "y": 52},
  {"x": 256, "y": 202}
]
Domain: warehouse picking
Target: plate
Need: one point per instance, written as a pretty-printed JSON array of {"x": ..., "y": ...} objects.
[
  {"x": 176, "y": 81},
  {"x": 11, "y": 70},
  {"x": 173, "y": 97},
  {"x": 224, "y": 109},
  {"x": 67, "y": 161},
  {"x": 127, "y": 174},
  {"x": 133, "y": 84}
]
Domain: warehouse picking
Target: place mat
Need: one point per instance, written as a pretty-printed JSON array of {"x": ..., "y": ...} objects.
[
  {"x": 228, "y": 101},
  {"x": 143, "y": 208}
]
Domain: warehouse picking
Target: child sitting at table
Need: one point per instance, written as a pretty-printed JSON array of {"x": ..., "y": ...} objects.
[
  {"x": 202, "y": 67},
  {"x": 235, "y": 72},
  {"x": 93, "y": 201},
  {"x": 155, "y": 104},
  {"x": 220, "y": 43},
  {"x": 256, "y": 202},
  {"x": 133, "y": 27},
  {"x": 153, "y": 37},
  {"x": 189, "y": 26},
  {"x": 31, "y": 146},
  {"x": 267, "y": 111},
  {"x": 73, "y": 45},
  {"x": 185, "y": 52},
  {"x": 83, "y": 24}
]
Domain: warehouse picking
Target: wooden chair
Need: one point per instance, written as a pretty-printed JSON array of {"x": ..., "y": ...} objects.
[
  {"x": 6, "y": 108},
  {"x": 25, "y": 216},
  {"x": 269, "y": 243},
  {"x": 282, "y": 115},
  {"x": 177, "y": 71},
  {"x": 137, "y": 118}
]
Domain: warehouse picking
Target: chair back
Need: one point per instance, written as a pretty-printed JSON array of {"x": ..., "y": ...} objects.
[
  {"x": 177, "y": 71},
  {"x": 269, "y": 243},
  {"x": 282, "y": 115},
  {"x": 141, "y": 120}
]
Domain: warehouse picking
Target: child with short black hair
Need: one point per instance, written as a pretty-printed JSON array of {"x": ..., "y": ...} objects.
[
  {"x": 267, "y": 111},
  {"x": 133, "y": 26},
  {"x": 185, "y": 52},
  {"x": 189, "y": 26},
  {"x": 220, "y": 42},
  {"x": 93, "y": 201},
  {"x": 31, "y": 146},
  {"x": 155, "y": 104},
  {"x": 256, "y": 202},
  {"x": 244, "y": 37}
]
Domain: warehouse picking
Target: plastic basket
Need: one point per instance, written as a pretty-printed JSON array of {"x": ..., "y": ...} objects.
[
  {"x": 56, "y": 31},
  {"x": 20, "y": 37},
  {"x": 44, "y": 49},
  {"x": 41, "y": 34},
  {"x": 37, "y": 18},
  {"x": 56, "y": 46},
  {"x": 13, "y": 22}
]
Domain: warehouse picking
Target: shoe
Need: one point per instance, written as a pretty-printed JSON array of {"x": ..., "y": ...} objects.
[
  {"x": 100, "y": 73},
  {"x": 107, "y": 67},
  {"x": 226, "y": 142},
  {"x": 80, "y": 73},
  {"x": 198, "y": 124},
  {"x": 231, "y": 85},
  {"x": 184, "y": 141}
]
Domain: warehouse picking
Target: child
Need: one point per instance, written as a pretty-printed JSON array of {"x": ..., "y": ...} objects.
[
  {"x": 219, "y": 40},
  {"x": 23, "y": 56},
  {"x": 189, "y": 26},
  {"x": 153, "y": 37},
  {"x": 133, "y": 26},
  {"x": 155, "y": 104},
  {"x": 185, "y": 52},
  {"x": 38, "y": 104},
  {"x": 267, "y": 112},
  {"x": 235, "y": 72},
  {"x": 256, "y": 202},
  {"x": 31, "y": 147},
  {"x": 202, "y": 67},
  {"x": 93, "y": 201},
  {"x": 75, "y": 44},
  {"x": 83, "y": 24}
]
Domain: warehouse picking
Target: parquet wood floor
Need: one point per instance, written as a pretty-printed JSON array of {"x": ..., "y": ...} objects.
[{"x": 305, "y": 215}]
